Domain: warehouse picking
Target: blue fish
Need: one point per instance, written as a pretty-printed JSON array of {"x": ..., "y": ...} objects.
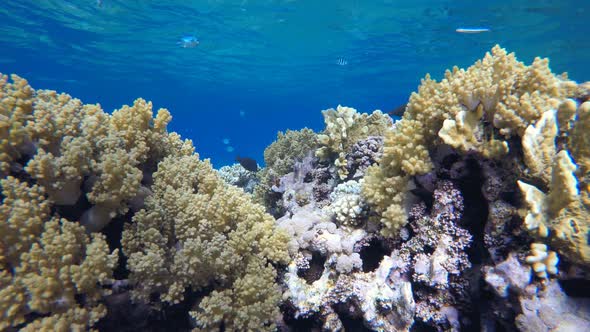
[{"x": 188, "y": 42}]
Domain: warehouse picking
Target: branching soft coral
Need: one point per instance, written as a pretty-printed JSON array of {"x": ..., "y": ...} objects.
[
  {"x": 23, "y": 211},
  {"x": 74, "y": 149},
  {"x": 16, "y": 100},
  {"x": 141, "y": 135},
  {"x": 51, "y": 271},
  {"x": 250, "y": 304},
  {"x": 196, "y": 231},
  {"x": 53, "y": 150},
  {"x": 465, "y": 110}
]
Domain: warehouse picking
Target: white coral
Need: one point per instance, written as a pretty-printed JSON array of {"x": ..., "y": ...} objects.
[{"x": 348, "y": 206}]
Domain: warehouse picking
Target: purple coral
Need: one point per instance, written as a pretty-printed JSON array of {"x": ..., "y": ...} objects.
[
  {"x": 435, "y": 256},
  {"x": 309, "y": 183},
  {"x": 364, "y": 153}
]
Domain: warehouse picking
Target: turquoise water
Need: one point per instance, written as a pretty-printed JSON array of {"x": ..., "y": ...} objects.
[{"x": 264, "y": 66}]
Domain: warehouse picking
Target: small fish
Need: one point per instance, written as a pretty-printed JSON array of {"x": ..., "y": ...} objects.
[
  {"x": 398, "y": 111},
  {"x": 341, "y": 62},
  {"x": 229, "y": 149},
  {"x": 248, "y": 163},
  {"x": 472, "y": 30},
  {"x": 225, "y": 141},
  {"x": 188, "y": 42}
]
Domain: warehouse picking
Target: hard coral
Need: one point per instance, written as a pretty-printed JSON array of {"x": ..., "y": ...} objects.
[
  {"x": 347, "y": 206},
  {"x": 363, "y": 154},
  {"x": 436, "y": 255},
  {"x": 344, "y": 127},
  {"x": 562, "y": 213},
  {"x": 238, "y": 176},
  {"x": 379, "y": 298}
]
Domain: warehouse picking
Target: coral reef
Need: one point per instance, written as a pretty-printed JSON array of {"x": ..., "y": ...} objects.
[
  {"x": 344, "y": 127},
  {"x": 238, "y": 176},
  {"x": 436, "y": 258},
  {"x": 328, "y": 273},
  {"x": 470, "y": 213},
  {"x": 289, "y": 147},
  {"x": 51, "y": 271},
  {"x": 491, "y": 101},
  {"x": 69, "y": 169},
  {"x": 196, "y": 231},
  {"x": 309, "y": 183},
  {"x": 363, "y": 154}
]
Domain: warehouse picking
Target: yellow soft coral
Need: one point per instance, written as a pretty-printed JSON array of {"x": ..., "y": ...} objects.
[
  {"x": 56, "y": 116},
  {"x": 23, "y": 211},
  {"x": 466, "y": 110},
  {"x": 74, "y": 319},
  {"x": 62, "y": 175},
  {"x": 250, "y": 304},
  {"x": 57, "y": 262},
  {"x": 80, "y": 150},
  {"x": 196, "y": 231},
  {"x": 16, "y": 100},
  {"x": 53, "y": 150},
  {"x": 387, "y": 196},
  {"x": 466, "y": 134},
  {"x": 141, "y": 135}
]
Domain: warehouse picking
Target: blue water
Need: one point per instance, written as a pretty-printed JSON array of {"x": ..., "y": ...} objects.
[{"x": 263, "y": 66}]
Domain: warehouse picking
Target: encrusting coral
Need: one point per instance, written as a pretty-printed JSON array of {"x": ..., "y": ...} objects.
[{"x": 363, "y": 154}]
